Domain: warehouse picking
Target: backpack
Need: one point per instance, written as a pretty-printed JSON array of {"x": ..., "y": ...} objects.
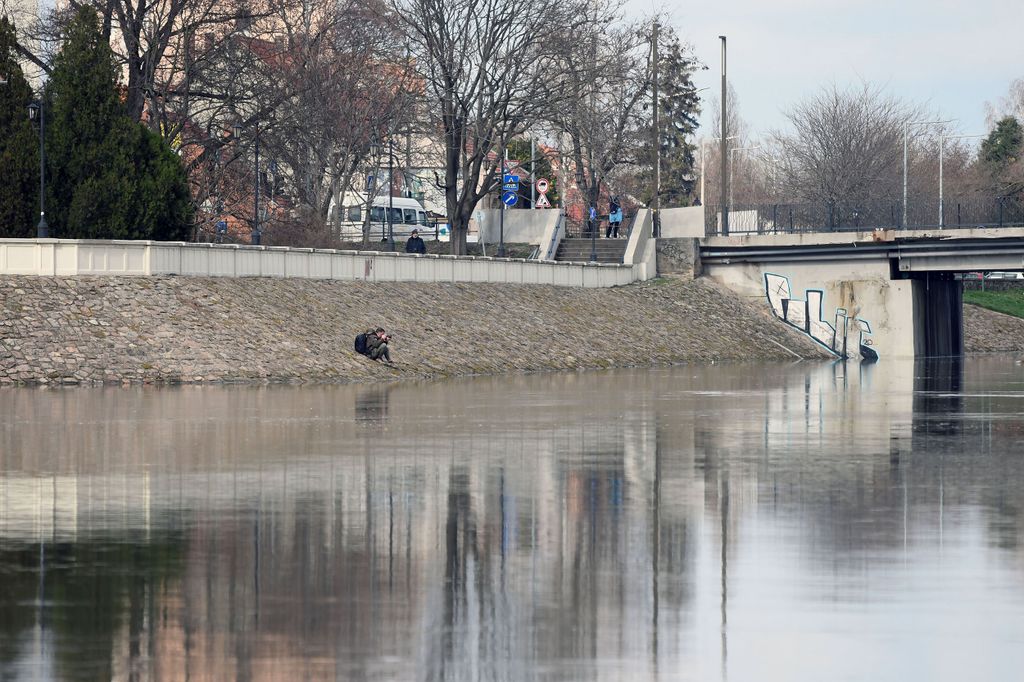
[{"x": 361, "y": 344}]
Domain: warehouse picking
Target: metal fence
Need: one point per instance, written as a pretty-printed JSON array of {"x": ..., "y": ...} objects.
[
  {"x": 769, "y": 218},
  {"x": 581, "y": 229}
]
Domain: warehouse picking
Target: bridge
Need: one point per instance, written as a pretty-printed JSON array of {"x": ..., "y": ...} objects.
[{"x": 865, "y": 294}]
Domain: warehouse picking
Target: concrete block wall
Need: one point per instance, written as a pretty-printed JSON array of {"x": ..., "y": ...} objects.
[{"x": 68, "y": 257}]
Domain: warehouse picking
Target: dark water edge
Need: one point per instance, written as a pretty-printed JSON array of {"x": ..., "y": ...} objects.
[{"x": 789, "y": 522}]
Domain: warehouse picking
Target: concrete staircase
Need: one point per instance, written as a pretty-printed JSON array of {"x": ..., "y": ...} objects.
[{"x": 578, "y": 250}]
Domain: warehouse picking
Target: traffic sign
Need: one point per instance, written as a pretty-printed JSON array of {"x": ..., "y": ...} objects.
[
  {"x": 542, "y": 185},
  {"x": 542, "y": 202},
  {"x": 509, "y": 198},
  {"x": 510, "y": 183}
]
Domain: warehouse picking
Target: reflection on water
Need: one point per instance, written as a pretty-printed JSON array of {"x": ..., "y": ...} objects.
[{"x": 806, "y": 522}]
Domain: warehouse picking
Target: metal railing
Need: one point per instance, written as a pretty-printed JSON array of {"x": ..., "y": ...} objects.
[
  {"x": 784, "y": 218},
  {"x": 581, "y": 229}
]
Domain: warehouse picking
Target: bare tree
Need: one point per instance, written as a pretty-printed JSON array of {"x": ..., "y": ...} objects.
[
  {"x": 845, "y": 146},
  {"x": 489, "y": 67},
  {"x": 605, "y": 73},
  {"x": 1010, "y": 105}
]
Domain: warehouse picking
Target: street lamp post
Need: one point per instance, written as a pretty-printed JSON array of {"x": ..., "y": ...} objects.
[
  {"x": 906, "y": 129},
  {"x": 38, "y": 109},
  {"x": 375, "y": 150},
  {"x": 501, "y": 215},
  {"x": 732, "y": 165},
  {"x": 255, "y": 236},
  {"x": 942, "y": 139},
  {"x": 391, "y": 194},
  {"x": 723, "y": 199}
]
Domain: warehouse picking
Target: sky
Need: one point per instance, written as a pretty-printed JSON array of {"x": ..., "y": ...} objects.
[{"x": 951, "y": 54}]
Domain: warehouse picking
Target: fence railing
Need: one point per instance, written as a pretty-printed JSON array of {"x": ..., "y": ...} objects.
[
  {"x": 581, "y": 229},
  {"x": 772, "y": 218}
]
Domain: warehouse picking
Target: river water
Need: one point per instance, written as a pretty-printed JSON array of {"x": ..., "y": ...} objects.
[{"x": 747, "y": 522}]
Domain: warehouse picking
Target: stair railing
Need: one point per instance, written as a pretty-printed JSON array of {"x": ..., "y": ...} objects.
[{"x": 556, "y": 238}]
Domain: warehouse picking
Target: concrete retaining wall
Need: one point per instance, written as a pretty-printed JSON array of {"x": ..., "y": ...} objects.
[
  {"x": 522, "y": 226},
  {"x": 65, "y": 257}
]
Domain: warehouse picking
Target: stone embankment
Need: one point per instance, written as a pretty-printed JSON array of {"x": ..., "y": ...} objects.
[
  {"x": 986, "y": 331},
  {"x": 177, "y": 329}
]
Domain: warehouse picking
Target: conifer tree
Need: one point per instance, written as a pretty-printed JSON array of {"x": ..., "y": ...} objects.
[
  {"x": 110, "y": 177},
  {"x": 19, "y": 152}
]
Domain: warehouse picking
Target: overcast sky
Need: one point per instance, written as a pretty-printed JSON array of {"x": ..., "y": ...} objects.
[{"x": 953, "y": 54}]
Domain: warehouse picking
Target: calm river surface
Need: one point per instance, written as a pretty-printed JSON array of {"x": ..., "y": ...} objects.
[{"x": 802, "y": 522}]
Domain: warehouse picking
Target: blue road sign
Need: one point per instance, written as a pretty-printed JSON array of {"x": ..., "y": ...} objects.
[
  {"x": 510, "y": 183},
  {"x": 509, "y": 198}
]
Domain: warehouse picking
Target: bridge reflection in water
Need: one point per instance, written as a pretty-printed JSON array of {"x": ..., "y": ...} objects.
[{"x": 693, "y": 523}]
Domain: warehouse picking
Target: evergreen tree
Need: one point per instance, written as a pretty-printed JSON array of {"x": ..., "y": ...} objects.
[
  {"x": 679, "y": 107},
  {"x": 1002, "y": 155},
  {"x": 110, "y": 177},
  {"x": 1003, "y": 145},
  {"x": 19, "y": 146}
]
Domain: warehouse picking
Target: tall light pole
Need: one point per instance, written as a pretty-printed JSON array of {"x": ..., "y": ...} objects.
[
  {"x": 906, "y": 129},
  {"x": 724, "y": 180},
  {"x": 942, "y": 139},
  {"x": 703, "y": 146},
  {"x": 732, "y": 165},
  {"x": 391, "y": 194},
  {"x": 501, "y": 216},
  {"x": 255, "y": 236},
  {"x": 656, "y": 135},
  {"x": 376, "y": 150},
  {"x": 39, "y": 109}
]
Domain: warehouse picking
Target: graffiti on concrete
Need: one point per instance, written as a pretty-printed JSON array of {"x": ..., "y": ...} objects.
[{"x": 808, "y": 315}]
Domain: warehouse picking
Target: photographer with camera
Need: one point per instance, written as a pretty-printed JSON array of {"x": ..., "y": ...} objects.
[{"x": 377, "y": 345}]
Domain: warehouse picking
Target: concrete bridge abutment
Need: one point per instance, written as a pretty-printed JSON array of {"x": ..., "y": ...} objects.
[{"x": 867, "y": 295}]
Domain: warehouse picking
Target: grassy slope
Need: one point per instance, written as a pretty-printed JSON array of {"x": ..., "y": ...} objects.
[{"x": 1008, "y": 302}]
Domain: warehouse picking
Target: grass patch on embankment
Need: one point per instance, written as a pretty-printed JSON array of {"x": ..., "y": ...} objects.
[{"x": 1007, "y": 302}]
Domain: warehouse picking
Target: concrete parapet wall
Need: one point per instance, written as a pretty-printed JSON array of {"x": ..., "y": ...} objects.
[
  {"x": 682, "y": 222},
  {"x": 522, "y": 226},
  {"x": 640, "y": 251},
  {"x": 69, "y": 257}
]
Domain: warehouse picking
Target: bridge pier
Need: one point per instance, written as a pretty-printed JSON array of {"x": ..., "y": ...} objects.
[{"x": 938, "y": 315}]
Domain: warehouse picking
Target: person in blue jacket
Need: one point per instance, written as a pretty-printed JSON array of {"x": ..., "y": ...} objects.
[{"x": 614, "y": 219}]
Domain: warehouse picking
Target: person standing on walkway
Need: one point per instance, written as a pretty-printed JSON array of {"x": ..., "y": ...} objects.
[
  {"x": 592, "y": 219},
  {"x": 614, "y": 219}
]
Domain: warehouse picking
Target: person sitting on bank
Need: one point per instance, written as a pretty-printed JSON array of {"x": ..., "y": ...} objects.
[
  {"x": 415, "y": 243},
  {"x": 377, "y": 345}
]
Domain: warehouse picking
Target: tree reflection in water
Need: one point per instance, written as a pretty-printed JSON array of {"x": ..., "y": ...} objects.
[{"x": 501, "y": 529}]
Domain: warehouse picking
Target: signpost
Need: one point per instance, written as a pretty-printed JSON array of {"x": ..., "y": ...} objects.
[
  {"x": 542, "y": 189},
  {"x": 509, "y": 198}
]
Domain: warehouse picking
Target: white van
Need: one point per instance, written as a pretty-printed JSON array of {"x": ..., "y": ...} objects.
[{"x": 406, "y": 215}]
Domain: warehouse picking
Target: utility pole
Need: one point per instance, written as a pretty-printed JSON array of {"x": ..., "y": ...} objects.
[
  {"x": 723, "y": 197},
  {"x": 656, "y": 135},
  {"x": 533, "y": 171}
]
